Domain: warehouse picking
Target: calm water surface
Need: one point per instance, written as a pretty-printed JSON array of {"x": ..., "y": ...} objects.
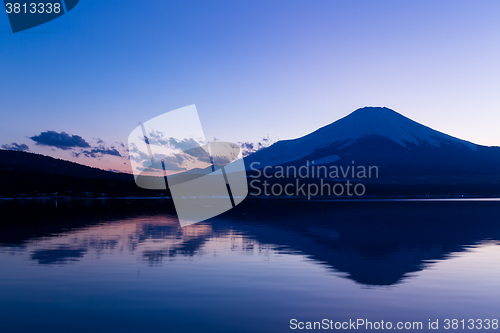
[{"x": 127, "y": 266}]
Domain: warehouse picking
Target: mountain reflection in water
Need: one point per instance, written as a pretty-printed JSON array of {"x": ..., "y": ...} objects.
[
  {"x": 127, "y": 266},
  {"x": 372, "y": 243}
]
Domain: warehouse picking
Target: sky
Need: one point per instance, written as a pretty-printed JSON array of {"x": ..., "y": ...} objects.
[{"x": 252, "y": 68}]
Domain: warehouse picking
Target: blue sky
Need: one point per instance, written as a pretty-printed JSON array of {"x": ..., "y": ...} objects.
[{"x": 252, "y": 68}]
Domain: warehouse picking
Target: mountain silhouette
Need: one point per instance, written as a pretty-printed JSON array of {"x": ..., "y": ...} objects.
[
  {"x": 11, "y": 160},
  {"x": 404, "y": 150},
  {"x": 23, "y": 173}
]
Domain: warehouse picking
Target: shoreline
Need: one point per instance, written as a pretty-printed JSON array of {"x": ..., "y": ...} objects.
[{"x": 317, "y": 199}]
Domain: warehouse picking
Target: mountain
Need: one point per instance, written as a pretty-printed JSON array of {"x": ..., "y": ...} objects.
[
  {"x": 403, "y": 149},
  {"x": 11, "y": 160},
  {"x": 34, "y": 174}
]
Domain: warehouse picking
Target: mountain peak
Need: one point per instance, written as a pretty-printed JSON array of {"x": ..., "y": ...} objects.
[
  {"x": 380, "y": 109},
  {"x": 362, "y": 124},
  {"x": 385, "y": 122},
  {"x": 374, "y": 112}
]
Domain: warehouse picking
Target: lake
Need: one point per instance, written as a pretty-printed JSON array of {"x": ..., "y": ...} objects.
[{"x": 127, "y": 265}]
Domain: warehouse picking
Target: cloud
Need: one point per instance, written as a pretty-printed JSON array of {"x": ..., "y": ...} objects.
[
  {"x": 173, "y": 163},
  {"x": 249, "y": 148},
  {"x": 199, "y": 153},
  {"x": 60, "y": 140},
  {"x": 99, "y": 151},
  {"x": 158, "y": 138},
  {"x": 15, "y": 146}
]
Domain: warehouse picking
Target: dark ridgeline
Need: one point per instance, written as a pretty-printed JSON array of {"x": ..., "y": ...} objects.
[{"x": 33, "y": 174}]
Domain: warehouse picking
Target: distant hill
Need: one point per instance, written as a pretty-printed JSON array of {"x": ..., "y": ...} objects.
[
  {"x": 35, "y": 174},
  {"x": 11, "y": 160}
]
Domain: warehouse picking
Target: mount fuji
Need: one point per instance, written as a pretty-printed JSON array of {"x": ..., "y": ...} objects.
[{"x": 399, "y": 146}]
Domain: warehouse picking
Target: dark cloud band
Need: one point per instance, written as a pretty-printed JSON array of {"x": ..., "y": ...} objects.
[
  {"x": 61, "y": 140},
  {"x": 96, "y": 152},
  {"x": 15, "y": 146}
]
